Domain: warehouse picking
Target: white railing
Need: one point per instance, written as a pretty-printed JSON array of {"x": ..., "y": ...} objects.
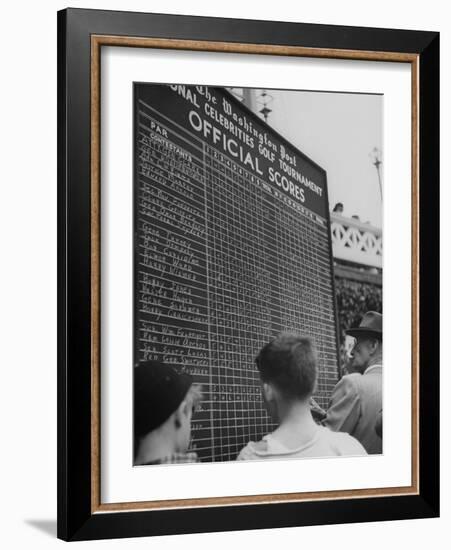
[{"x": 355, "y": 241}]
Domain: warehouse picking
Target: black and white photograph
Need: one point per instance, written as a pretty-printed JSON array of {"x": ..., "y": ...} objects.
[
  {"x": 224, "y": 288},
  {"x": 257, "y": 269}
]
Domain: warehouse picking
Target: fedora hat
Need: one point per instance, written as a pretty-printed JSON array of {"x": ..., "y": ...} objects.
[{"x": 370, "y": 324}]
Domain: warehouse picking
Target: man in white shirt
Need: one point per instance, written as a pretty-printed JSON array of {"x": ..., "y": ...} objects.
[
  {"x": 288, "y": 370},
  {"x": 356, "y": 401}
]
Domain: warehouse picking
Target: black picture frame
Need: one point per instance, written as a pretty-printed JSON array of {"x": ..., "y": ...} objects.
[{"x": 78, "y": 518}]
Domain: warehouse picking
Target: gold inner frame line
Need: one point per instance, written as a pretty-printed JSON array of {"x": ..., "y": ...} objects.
[{"x": 97, "y": 41}]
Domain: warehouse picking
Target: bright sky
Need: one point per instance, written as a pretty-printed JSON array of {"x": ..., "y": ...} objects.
[{"x": 337, "y": 131}]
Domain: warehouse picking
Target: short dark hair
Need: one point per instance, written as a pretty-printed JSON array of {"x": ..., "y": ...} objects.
[{"x": 290, "y": 363}]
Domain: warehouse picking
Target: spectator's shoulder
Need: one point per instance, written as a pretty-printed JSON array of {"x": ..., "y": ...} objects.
[
  {"x": 345, "y": 444},
  {"x": 252, "y": 450},
  {"x": 350, "y": 382}
]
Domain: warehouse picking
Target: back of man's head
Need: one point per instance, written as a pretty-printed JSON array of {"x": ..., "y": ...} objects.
[{"x": 289, "y": 362}]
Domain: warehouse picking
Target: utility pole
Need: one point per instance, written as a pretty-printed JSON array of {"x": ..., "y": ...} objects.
[{"x": 375, "y": 156}]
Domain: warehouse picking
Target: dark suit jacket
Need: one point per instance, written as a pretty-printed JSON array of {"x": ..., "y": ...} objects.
[{"x": 354, "y": 407}]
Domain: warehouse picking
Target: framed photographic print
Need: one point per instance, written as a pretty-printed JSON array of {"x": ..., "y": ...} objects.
[{"x": 248, "y": 274}]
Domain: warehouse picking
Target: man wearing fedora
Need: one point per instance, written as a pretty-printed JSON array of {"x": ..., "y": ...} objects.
[{"x": 356, "y": 402}]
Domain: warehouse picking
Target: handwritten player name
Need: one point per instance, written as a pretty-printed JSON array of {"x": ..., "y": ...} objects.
[
  {"x": 178, "y": 311},
  {"x": 172, "y": 157},
  {"x": 184, "y": 261},
  {"x": 150, "y": 231},
  {"x": 172, "y": 176},
  {"x": 165, "y": 175},
  {"x": 180, "y": 333},
  {"x": 184, "y": 342},
  {"x": 171, "y": 249},
  {"x": 165, "y": 237},
  {"x": 159, "y": 297},
  {"x": 178, "y": 302},
  {"x": 161, "y": 293},
  {"x": 169, "y": 210},
  {"x": 176, "y": 353},
  {"x": 176, "y": 182},
  {"x": 182, "y": 221},
  {"x": 184, "y": 172},
  {"x": 186, "y": 362},
  {"x": 169, "y": 270},
  {"x": 171, "y": 201},
  {"x": 146, "y": 169},
  {"x": 176, "y": 264},
  {"x": 159, "y": 287}
]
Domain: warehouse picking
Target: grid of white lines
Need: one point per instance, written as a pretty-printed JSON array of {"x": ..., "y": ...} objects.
[{"x": 223, "y": 265}]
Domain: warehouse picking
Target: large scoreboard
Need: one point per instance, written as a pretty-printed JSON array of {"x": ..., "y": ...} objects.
[{"x": 231, "y": 246}]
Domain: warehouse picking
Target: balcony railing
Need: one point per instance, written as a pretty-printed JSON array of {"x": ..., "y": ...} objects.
[{"x": 355, "y": 241}]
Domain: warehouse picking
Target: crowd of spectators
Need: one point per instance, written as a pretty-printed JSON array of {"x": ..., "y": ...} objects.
[{"x": 353, "y": 300}]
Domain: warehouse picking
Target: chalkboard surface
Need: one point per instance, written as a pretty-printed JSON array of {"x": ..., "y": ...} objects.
[{"x": 232, "y": 246}]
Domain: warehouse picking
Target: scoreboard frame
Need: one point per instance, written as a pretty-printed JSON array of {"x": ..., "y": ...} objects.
[{"x": 315, "y": 213}]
